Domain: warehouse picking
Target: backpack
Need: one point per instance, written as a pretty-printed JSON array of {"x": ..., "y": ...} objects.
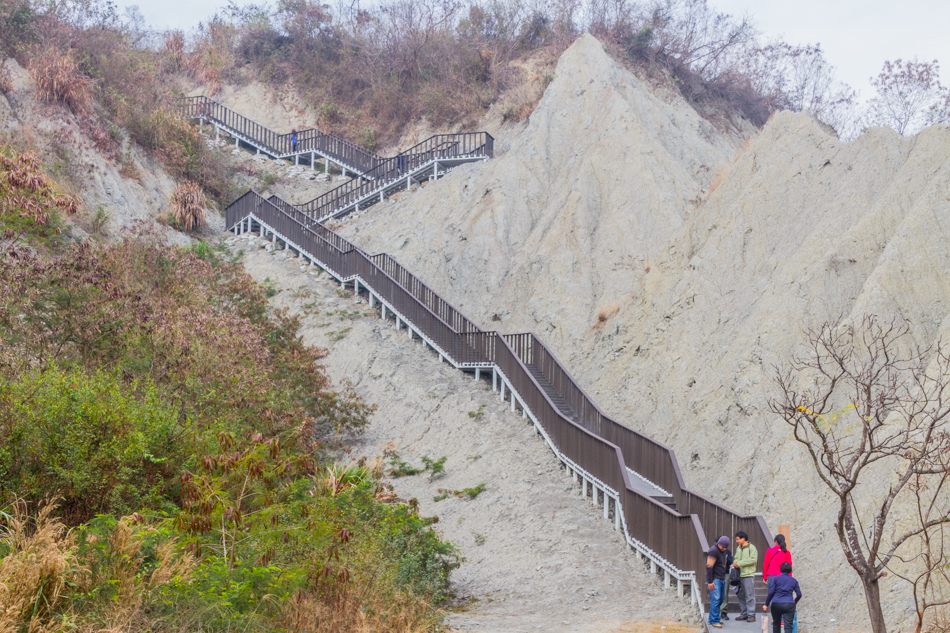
[{"x": 734, "y": 578}]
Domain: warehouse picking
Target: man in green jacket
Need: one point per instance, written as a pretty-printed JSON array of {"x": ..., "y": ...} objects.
[{"x": 746, "y": 558}]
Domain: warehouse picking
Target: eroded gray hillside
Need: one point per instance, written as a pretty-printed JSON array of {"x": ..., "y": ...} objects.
[
  {"x": 601, "y": 203},
  {"x": 590, "y": 190}
]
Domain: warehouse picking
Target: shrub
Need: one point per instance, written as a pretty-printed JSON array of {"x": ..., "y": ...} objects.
[
  {"x": 188, "y": 206},
  {"x": 106, "y": 446},
  {"x": 59, "y": 79},
  {"x": 18, "y": 27},
  {"x": 169, "y": 316}
]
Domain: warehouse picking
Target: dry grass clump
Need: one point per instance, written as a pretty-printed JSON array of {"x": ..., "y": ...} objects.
[
  {"x": 122, "y": 569},
  {"x": 26, "y": 191},
  {"x": 34, "y": 573},
  {"x": 6, "y": 81},
  {"x": 42, "y": 558},
  {"x": 605, "y": 313},
  {"x": 359, "y": 610},
  {"x": 59, "y": 79},
  {"x": 188, "y": 206}
]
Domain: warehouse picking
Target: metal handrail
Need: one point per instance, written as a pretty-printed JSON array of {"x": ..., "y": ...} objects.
[
  {"x": 340, "y": 150},
  {"x": 390, "y": 170},
  {"x": 374, "y": 171},
  {"x": 594, "y": 441}
]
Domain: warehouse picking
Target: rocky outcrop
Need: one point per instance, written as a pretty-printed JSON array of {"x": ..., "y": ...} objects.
[{"x": 670, "y": 265}]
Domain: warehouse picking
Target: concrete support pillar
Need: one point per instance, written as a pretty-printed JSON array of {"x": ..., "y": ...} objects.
[
  {"x": 679, "y": 588},
  {"x": 652, "y": 566},
  {"x": 273, "y": 238},
  {"x": 593, "y": 495},
  {"x": 524, "y": 411},
  {"x": 408, "y": 183},
  {"x": 478, "y": 373},
  {"x": 217, "y": 131},
  {"x": 296, "y": 159},
  {"x": 372, "y": 299},
  {"x": 435, "y": 171},
  {"x": 356, "y": 286},
  {"x": 326, "y": 165},
  {"x": 441, "y": 358},
  {"x": 512, "y": 401},
  {"x": 666, "y": 579},
  {"x": 313, "y": 161},
  {"x": 258, "y": 149},
  {"x": 617, "y": 515},
  {"x": 502, "y": 389},
  {"x": 692, "y": 594},
  {"x": 384, "y": 310},
  {"x": 397, "y": 323},
  {"x": 237, "y": 142},
  {"x": 606, "y": 506},
  {"x": 574, "y": 474},
  {"x": 584, "y": 487},
  {"x": 494, "y": 379}
]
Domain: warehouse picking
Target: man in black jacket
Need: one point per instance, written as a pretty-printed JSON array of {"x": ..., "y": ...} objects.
[{"x": 716, "y": 579}]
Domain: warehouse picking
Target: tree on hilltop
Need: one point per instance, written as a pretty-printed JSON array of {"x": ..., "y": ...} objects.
[{"x": 909, "y": 97}]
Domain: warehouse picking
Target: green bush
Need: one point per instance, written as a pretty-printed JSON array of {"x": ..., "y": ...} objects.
[{"x": 104, "y": 445}]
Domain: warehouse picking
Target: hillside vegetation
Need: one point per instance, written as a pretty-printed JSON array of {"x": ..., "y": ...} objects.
[
  {"x": 165, "y": 451},
  {"x": 369, "y": 74}
]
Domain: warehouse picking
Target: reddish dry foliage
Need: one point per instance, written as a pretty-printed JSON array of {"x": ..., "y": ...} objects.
[
  {"x": 192, "y": 326},
  {"x": 25, "y": 190}
]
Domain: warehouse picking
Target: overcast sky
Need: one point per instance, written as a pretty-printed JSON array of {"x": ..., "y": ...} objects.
[{"x": 857, "y": 35}]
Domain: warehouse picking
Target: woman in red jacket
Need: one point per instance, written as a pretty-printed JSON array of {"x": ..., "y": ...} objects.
[{"x": 774, "y": 557}]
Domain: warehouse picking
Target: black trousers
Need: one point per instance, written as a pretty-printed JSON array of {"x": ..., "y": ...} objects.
[{"x": 782, "y": 612}]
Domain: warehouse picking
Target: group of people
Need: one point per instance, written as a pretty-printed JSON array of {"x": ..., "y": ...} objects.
[{"x": 784, "y": 592}]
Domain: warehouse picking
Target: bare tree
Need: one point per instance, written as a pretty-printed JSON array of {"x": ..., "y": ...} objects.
[
  {"x": 926, "y": 566},
  {"x": 872, "y": 410},
  {"x": 799, "y": 78},
  {"x": 909, "y": 96}
]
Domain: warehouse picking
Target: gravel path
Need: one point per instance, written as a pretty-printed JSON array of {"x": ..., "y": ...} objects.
[{"x": 538, "y": 556}]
